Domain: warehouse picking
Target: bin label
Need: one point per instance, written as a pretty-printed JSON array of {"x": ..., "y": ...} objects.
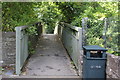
[{"x": 95, "y": 67}]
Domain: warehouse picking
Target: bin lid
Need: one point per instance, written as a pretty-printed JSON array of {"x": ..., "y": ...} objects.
[{"x": 94, "y": 47}]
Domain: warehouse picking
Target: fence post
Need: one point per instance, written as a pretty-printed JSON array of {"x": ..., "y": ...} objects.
[
  {"x": 104, "y": 31},
  {"x": 80, "y": 38},
  {"x": 18, "y": 49},
  {"x": 79, "y": 46},
  {"x": 118, "y": 33},
  {"x": 84, "y": 29}
]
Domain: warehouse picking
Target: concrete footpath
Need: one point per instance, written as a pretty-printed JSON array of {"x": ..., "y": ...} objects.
[{"x": 50, "y": 59}]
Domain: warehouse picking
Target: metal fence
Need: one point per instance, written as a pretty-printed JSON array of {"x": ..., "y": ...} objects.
[
  {"x": 21, "y": 47},
  {"x": 112, "y": 34},
  {"x": 102, "y": 32},
  {"x": 22, "y": 39},
  {"x": 71, "y": 36}
]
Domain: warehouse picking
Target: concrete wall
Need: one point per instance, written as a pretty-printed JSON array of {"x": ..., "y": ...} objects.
[
  {"x": 113, "y": 66},
  {"x": 8, "y": 48}
]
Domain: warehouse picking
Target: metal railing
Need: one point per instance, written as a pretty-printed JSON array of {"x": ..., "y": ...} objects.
[
  {"x": 71, "y": 37},
  {"x": 22, "y": 45}
]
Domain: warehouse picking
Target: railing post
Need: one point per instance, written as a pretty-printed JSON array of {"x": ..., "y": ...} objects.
[
  {"x": 104, "y": 31},
  {"x": 84, "y": 29},
  {"x": 79, "y": 51},
  {"x": 80, "y": 38},
  {"x": 18, "y": 49}
]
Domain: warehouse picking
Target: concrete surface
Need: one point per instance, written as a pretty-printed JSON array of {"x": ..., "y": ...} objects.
[{"x": 50, "y": 59}]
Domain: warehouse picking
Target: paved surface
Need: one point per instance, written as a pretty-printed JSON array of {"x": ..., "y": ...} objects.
[{"x": 50, "y": 59}]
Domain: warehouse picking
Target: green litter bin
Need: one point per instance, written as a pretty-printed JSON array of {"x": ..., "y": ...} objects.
[{"x": 94, "y": 62}]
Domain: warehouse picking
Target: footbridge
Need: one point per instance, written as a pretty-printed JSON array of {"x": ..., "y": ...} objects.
[{"x": 55, "y": 54}]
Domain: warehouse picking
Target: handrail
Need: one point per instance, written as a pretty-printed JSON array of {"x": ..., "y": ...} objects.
[
  {"x": 70, "y": 26},
  {"x": 26, "y": 26},
  {"x": 22, "y": 27}
]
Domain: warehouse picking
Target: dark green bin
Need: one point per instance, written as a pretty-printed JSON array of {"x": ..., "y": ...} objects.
[{"x": 94, "y": 62}]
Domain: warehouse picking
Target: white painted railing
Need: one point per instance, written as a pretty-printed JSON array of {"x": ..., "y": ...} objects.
[
  {"x": 21, "y": 47},
  {"x": 71, "y": 37},
  {"x": 22, "y": 44}
]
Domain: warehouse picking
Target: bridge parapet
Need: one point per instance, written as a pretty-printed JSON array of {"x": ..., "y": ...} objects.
[
  {"x": 22, "y": 44},
  {"x": 71, "y": 37}
]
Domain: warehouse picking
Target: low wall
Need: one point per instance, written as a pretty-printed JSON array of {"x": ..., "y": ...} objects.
[
  {"x": 9, "y": 44},
  {"x": 113, "y": 66},
  {"x": 8, "y": 48}
]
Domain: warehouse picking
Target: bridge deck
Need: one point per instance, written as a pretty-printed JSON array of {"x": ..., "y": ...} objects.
[{"x": 50, "y": 59}]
